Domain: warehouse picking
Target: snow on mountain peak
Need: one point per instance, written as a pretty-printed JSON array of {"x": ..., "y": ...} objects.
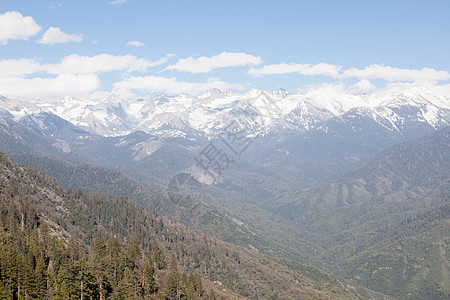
[
  {"x": 115, "y": 98},
  {"x": 211, "y": 93},
  {"x": 213, "y": 110}
]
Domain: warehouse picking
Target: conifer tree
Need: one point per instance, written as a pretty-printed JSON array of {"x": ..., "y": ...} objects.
[
  {"x": 99, "y": 246},
  {"x": 129, "y": 285},
  {"x": 62, "y": 292},
  {"x": 112, "y": 260},
  {"x": 172, "y": 280},
  {"x": 99, "y": 263},
  {"x": 191, "y": 290},
  {"x": 41, "y": 277},
  {"x": 133, "y": 250},
  {"x": 198, "y": 284},
  {"x": 183, "y": 287},
  {"x": 149, "y": 282},
  {"x": 158, "y": 256},
  {"x": 10, "y": 269}
]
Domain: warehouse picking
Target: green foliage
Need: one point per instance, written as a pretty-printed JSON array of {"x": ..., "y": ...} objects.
[
  {"x": 38, "y": 257},
  {"x": 158, "y": 256},
  {"x": 173, "y": 280},
  {"x": 149, "y": 281},
  {"x": 383, "y": 224},
  {"x": 97, "y": 245}
]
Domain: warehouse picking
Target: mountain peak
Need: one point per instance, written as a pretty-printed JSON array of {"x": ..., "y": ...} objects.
[
  {"x": 211, "y": 93},
  {"x": 115, "y": 98},
  {"x": 213, "y": 110}
]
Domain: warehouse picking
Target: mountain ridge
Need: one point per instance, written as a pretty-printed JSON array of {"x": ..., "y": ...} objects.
[
  {"x": 388, "y": 217},
  {"x": 74, "y": 215},
  {"x": 205, "y": 115}
]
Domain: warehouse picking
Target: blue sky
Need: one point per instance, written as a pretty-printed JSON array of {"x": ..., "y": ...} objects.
[{"x": 90, "y": 49}]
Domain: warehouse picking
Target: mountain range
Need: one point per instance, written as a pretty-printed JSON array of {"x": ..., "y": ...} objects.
[
  {"x": 291, "y": 133},
  {"x": 211, "y": 112},
  {"x": 353, "y": 185}
]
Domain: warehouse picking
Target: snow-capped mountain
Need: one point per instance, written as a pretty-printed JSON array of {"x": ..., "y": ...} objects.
[
  {"x": 277, "y": 112},
  {"x": 302, "y": 140}
]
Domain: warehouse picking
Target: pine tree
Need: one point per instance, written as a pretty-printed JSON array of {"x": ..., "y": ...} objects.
[
  {"x": 132, "y": 252},
  {"x": 10, "y": 270},
  {"x": 112, "y": 260},
  {"x": 86, "y": 280},
  {"x": 62, "y": 292},
  {"x": 41, "y": 277},
  {"x": 183, "y": 287},
  {"x": 149, "y": 282},
  {"x": 172, "y": 280},
  {"x": 198, "y": 284},
  {"x": 68, "y": 273},
  {"x": 99, "y": 246},
  {"x": 129, "y": 284},
  {"x": 191, "y": 290},
  {"x": 100, "y": 278},
  {"x": 158, "y": 256},
  {"x": 99, "y": 263}
]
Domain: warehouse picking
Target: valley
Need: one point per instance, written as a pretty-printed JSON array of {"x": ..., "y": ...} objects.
[{"x": 340, "y": 193}]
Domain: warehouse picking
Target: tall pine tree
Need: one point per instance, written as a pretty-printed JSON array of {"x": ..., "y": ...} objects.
[{"x": 172, "y": 280}]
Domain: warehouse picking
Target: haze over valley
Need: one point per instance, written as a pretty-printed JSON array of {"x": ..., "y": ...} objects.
[{"x": 161, "y": 151}]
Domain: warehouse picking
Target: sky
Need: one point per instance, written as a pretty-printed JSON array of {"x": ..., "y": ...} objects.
[{"x": 142, "y": 48}]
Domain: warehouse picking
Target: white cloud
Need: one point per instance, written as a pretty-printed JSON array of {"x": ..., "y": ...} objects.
[
  {"x": 53, "y": 88},
  {"x": 303, "y": 69},
  {"x": 76, "y": 64},
  {"x": 324, "y": 93},
  {"x": 74, "y": 75},
  {"x": 54, "y": 35},
  {"x": 396, "y": 74},
  {"x": 387, "y": 73},
  {"x": 78, "y": 75},
  {"x": 135, "y": 43},
  {"x": 205, "y": 64},
  {"x": 362, "y": 86},
  {"x": 154, "y": 84},
  {"x": 339, "y": 97},
  {"x": 14, "y": 26},
  {"x": 116, "y": 2},
  {"x": 18, "y": 67}
]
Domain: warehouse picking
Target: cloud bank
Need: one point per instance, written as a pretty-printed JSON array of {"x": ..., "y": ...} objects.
[
  {"x": 205, "y": 64},
  {"x": 81, "y": 76},
  {"x": 303, "y": 69},
  {"x": 396, "y": 74},
  {"x": 14, "y": 26},
  {"x": 52, "y": 88},
  {"x": 74, "y": 75},
  {"x": 54, "y": 35},
  {"x": 151, "y": 84}
]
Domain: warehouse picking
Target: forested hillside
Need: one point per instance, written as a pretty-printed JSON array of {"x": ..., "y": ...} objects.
[
  {"x": 206, "y": 218},
  {"x": 51, "y": 248},
  {"x": 64, "y": 243},
  {"x": 386, "y": 224},
  {"x": 357, "y": 222}
]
